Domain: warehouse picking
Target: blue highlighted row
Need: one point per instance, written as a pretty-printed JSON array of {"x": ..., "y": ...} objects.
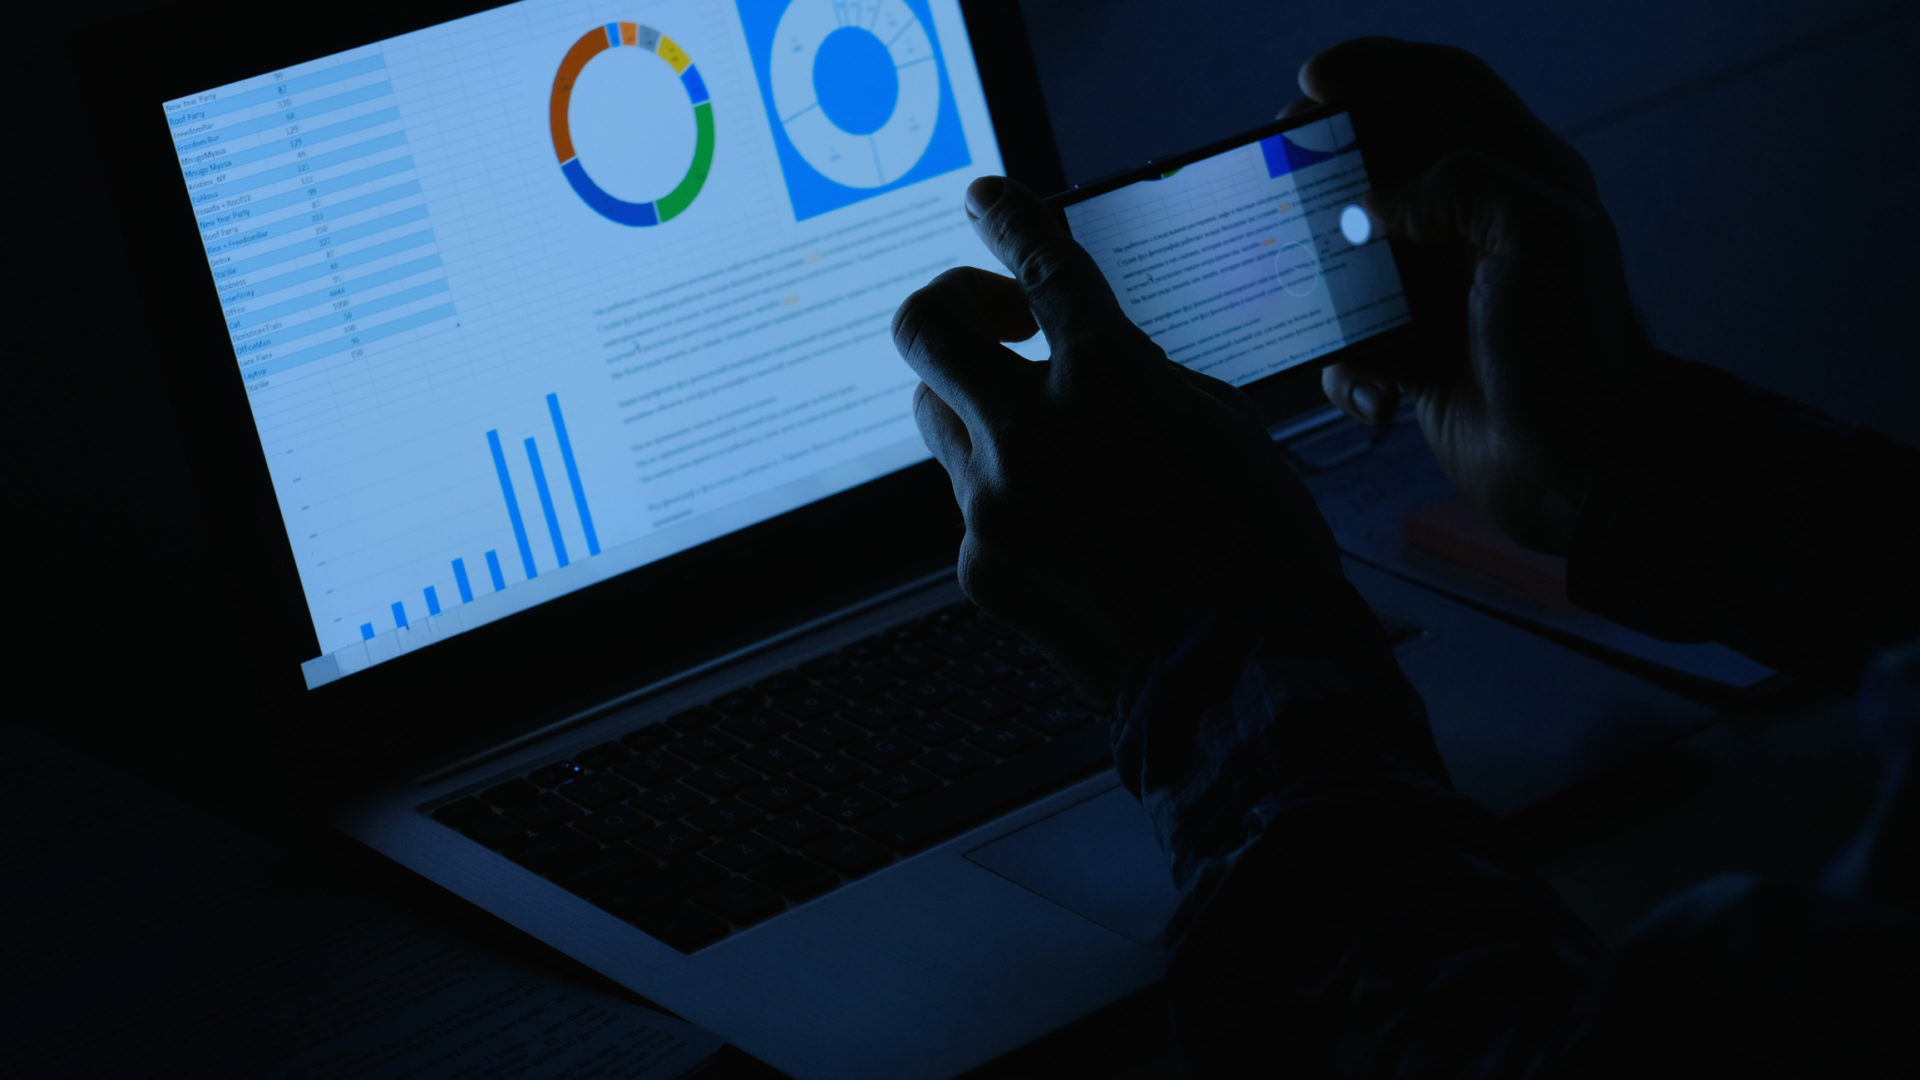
[
  {"x": 310, "y": 166},
  {"x": 335, "y": 319},
  {"x": 244, "y": 288},
  {"x": 372, "y": 334},
  {"x": 334, "y": 292},
  {"x": 244, "y": 207},
  {"x": 193, "y": 114},
  {"x": 289, "y": 252},
  {"x": 242, "y": 158},
  {"x": 306, "y": 222},
  {"x": 283, "y": 117},
  {"x": 549, "y": 511}
]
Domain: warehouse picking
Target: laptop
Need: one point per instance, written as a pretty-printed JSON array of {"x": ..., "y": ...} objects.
[{"x": 533, "y": 363}]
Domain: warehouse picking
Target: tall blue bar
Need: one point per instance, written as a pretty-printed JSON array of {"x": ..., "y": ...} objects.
[
  {"x": 399, "y": 614},
  {"x": 546, "y": 502},
  {"x": 573, "y": 474},
  {"x": 460, "y": 581},
  {"x": 493, "y": 568},
  {"x": 433, "y": 601},
  {"x": 513, "y": 505},
  {"x": 366, "y": 631}
]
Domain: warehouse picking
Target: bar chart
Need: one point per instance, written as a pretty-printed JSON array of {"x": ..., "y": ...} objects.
[{"x": 515, "y": 517}]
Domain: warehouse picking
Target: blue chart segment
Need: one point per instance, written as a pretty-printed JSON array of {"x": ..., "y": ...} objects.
[
  {"x": 515, "y": 521},
  {"x": 1309, "y": 145},
  {"x": 857, "y": 95},
  {"x": 311, "y": 215}
]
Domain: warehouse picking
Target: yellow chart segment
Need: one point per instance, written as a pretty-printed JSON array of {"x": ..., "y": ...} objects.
[{"x": 673, "y": 54}]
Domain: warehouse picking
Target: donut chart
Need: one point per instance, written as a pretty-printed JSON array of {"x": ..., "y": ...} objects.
[
  {"x": 857, "y": 95},
  {"x": 631, "y": 35}
]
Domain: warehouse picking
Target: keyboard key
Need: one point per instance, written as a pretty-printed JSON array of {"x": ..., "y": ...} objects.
[
  {"x": 902, "y": 782},
  {"x": 462, "y": 811},
  {"x": 959, "y": 642},
  {"x": 758, "y": 725},
  {"x": 740, "y": 901},
  {"x": 668, "y": 800},
  {"x": 912, "y": 663},
  {"x": 977, "y": 798},
  {"x": 595, "y": 790},
  {"x": 682, "y": 926},
  {"x": 701, "y": 747},
  {"x": 653, "y": 768},
  {"x": 511, "y": 793},
  {"x": 615, "y": 872},
  {"x": 831, "y": 772},
  {"x": 649, "y": 738},
  {"x": 927, "y": 693},
  {"x": 957, "y": 760},
  {"x": 779, "y": 795},
  {"x": 1004, "y": 740},
  {"x": 848, "y": 806},
  {"x": 556, "y": 774},
  {"x": 613, "y": 824},
  {"x": 1019, "y": 654},
  {"x": 989, "y": 707},
  {"x": 1055, "y": 717},
  {"x": 722, "y": 778},
  {"x": 794, "y": 827},
  {"x": 773, "y": 758},
  {"x": 935, "y": 729},
  {"x": 861, "y": 683},
  {"x": 805, "y": 704},
  {"x": 671, "y": 840},
  {"x": 604, "y": 756},
  {"x": 1036, "y": 687},
  {"x": 878, "y": 714},
  {"x": 849, "y": 852},
  {"x": 726, "y": 817},
  {"x": 884, "y": 750},
  {"x": 977, "y": 673},
  {"x": 545, "y": 812},
  {"x": 557, "y": 853},
  {"x": 740, "y": 852},
  {"x": 497, "y": 833},
  {"x": 794, "y": 877},
  {"x": 826, "y": 733}
]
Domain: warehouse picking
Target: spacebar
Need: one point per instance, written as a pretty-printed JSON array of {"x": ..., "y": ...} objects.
[{"x": 976, "y": 798}]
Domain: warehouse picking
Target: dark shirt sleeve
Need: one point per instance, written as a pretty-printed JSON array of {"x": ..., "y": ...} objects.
[{"x": 1726, "y": 513}]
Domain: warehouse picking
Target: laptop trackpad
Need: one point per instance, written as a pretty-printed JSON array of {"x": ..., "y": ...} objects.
[{"x": 1098, "y": 859}]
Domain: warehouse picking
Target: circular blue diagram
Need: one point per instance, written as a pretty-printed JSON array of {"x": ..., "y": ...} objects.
[{"x": 858, "y": 98}]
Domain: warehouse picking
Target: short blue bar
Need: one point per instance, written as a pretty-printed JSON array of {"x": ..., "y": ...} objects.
[
  {"x": 399, "y": 614},
  {"x": 613, "y": 35},
  {"x": 433, "y": 601},
  {"x": 193, "y": 114},
  {"x": 460, "y": 581},
  {"x": 513, "y": 505},
  {"x": 696, "y": 89},
  {"x": 493, "y": 568},
  {"x": 546, "y": 502},
  {"x": 573, "y": 474},
  {"x": 366, "y": 631}
]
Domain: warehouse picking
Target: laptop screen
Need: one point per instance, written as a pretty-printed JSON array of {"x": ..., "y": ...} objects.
[{"x": 529, "y": 299}]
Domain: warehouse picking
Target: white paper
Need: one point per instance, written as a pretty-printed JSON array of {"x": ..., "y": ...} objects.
[{"x": 143, "y": 938}]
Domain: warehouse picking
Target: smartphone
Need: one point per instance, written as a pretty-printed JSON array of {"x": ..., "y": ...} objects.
[{"x": 1251, "y": 260}]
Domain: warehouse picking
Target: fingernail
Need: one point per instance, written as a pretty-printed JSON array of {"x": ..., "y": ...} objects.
[
  {"x": 983, "y": 193},
  {"x": 1366, "y": 402}
]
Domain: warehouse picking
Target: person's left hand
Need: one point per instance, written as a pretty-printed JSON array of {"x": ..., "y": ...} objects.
[{"x": 1109, "y": 494}]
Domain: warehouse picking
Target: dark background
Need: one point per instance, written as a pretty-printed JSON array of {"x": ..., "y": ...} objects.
[{"x": 1758, "y": 157}]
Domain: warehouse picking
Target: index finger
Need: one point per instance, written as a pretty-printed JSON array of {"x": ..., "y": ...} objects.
[
  {"x": 949, "y": 333},
  {"x": 1069, "y": 295}
]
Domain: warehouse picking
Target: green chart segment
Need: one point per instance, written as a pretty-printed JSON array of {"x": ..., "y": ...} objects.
[{"x": 632, "y": 35}]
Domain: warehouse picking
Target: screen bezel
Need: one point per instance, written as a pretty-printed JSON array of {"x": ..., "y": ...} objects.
[
  {"x": 539, "y": 665},
  {"x": 1283, "y": 394}
]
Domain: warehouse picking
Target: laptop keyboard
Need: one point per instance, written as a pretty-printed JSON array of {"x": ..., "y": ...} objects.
[{"x": 724, "y": 815}]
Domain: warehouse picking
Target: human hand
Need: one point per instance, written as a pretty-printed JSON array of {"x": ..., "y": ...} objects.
[
  {"x": 1109, "y": 493},
  {"x": 1528, "y": 342}
]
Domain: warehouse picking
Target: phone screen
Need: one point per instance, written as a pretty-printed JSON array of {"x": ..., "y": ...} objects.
[{"x": 1251, "y": 261}]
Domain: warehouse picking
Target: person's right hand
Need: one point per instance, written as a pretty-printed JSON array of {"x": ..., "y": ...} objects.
[{"x": 1528, "y": 342}]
